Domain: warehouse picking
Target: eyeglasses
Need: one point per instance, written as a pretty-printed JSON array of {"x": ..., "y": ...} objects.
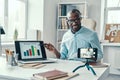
[{"x": 72, "y": 21}]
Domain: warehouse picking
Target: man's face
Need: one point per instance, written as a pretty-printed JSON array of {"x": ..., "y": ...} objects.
[{"x": 74, "y": 22}]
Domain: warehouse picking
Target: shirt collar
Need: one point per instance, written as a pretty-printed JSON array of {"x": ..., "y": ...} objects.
[{"x": 77, "y": 31}]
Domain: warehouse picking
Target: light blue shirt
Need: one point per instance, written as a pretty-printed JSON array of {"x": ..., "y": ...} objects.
[{"x": 84, "y": 38}]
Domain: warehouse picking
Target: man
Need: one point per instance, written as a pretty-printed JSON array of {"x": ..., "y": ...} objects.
[{"x": 76, "y": 37}]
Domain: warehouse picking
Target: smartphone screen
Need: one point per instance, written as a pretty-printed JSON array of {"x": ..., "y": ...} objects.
[{"x": 87, "y": 53}]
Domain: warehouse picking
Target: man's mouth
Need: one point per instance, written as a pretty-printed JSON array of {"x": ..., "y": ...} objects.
[{"x": 75, "y": 27}]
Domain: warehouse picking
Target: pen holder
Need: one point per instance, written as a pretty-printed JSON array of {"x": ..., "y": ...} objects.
[{"x": 10, "y": 58}]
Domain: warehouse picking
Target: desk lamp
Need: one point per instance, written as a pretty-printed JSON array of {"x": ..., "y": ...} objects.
[{"x": 1, "y": 32}]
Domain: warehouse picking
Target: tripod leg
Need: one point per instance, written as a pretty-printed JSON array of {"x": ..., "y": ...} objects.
[
  {"x": 87, "y": 67},
  {"x": 92, "y": 70},
  {"x": 78, "y": 68}
]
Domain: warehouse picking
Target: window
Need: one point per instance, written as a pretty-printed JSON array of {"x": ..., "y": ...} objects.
[
  {"x": 13, "y": 17},
  {"x": 112, "y": 11}
]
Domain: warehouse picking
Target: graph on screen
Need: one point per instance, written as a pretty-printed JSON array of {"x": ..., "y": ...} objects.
[{"x": 30, "y": 50}]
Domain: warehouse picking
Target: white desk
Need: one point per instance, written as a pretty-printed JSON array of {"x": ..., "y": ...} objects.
[{"x": 19, "y": 73}]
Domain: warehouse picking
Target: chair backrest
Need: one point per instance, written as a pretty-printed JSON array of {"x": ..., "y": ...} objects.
[{"x": 89, "y": 23}]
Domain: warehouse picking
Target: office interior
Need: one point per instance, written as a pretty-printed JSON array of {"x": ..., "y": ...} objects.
[{"x": 38, "y": 20}]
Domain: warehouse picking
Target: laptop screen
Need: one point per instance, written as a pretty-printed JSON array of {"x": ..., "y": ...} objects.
[{"x": 30, "y": 50}]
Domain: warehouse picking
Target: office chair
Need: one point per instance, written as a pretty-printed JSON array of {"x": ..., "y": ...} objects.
[{"x": 89, "y": 23}]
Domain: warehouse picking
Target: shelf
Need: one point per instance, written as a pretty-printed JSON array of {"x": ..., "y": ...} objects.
[
  {"x": 62, "y": 16},
  {"x": 62, "y": 29},
  {"x": 110, "y": 44},
  {"x": 75, "y": 3}
]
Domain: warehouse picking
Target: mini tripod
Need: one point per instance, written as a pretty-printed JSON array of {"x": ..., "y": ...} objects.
[{"x": 88, "y": 67}]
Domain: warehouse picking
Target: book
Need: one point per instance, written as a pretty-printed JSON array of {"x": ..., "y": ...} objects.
[
  {"x": 50, "y": 75},
  {"x": 32, "y": 65},
  {"x": 70, "y": 76},
  {"x": 99, "y": 65},
  {"x": 63, "y": 10}
]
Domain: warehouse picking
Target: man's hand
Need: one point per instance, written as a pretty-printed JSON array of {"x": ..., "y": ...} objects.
[{"x": 51, "y": 48}]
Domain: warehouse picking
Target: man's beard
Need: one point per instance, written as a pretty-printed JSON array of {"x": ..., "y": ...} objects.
[{"x": 75, "y": 28}]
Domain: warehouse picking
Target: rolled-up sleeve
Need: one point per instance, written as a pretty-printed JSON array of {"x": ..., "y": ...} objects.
[{"x": 63, "y": 51}]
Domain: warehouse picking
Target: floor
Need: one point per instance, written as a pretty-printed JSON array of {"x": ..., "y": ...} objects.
[{"x": 113, "y": 77}]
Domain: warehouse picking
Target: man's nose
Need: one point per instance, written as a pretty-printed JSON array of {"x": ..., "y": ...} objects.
[{"x": 75, "y": 22}]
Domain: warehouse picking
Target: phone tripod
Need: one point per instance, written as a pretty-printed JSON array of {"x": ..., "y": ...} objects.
[{"x": 86, "y": 65}]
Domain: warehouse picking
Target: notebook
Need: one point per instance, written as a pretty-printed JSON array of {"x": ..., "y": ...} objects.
[
  {"x": 31, "y": 51},
  {"x": 50, "y": 75}
]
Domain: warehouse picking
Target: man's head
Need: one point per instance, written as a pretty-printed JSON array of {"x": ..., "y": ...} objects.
[{"x": 74, "y": 20}]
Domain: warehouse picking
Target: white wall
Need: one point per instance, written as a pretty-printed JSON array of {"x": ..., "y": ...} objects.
[
  {"x": 35, "y": 18},
  {"x": 50, "y": 20},
  {"x": 35, "y": 13}
]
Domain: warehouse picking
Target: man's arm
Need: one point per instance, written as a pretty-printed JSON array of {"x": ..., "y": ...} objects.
[{"x": 51, "y": 48}]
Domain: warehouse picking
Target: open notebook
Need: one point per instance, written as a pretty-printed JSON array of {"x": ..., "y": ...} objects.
[{"x": 31, "y": 51}]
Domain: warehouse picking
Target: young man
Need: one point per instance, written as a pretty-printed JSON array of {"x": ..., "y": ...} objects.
[{"x": 76, "y": 37}]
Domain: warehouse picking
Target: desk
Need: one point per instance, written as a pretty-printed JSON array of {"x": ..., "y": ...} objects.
[{"x": 19, "y": 73}]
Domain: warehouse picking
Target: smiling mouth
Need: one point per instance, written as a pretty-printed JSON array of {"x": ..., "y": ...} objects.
[{"x": 75, "y": 27}]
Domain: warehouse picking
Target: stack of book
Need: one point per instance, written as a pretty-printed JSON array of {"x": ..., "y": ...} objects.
[{"x": 52, "y": 75}]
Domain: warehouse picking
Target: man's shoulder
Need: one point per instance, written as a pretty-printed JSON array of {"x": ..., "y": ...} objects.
[{"x": 87, "y": 29}]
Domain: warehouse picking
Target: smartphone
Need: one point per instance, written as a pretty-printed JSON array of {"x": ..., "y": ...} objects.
[{"x": 87, "y": 53}]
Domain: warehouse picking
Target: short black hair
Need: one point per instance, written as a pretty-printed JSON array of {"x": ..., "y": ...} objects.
[{"x": 75, "y": 11}]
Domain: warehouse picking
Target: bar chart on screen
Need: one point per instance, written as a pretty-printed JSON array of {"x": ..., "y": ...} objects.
[
  {"x": 29, "y": 50},
  {"x": 32, "y": 52}
]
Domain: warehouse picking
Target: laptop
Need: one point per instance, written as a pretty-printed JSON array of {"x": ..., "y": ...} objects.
[{"x": 31, "y": 52}]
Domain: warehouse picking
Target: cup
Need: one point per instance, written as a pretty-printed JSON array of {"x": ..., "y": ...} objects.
[{"x": 9, "y": 59}]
